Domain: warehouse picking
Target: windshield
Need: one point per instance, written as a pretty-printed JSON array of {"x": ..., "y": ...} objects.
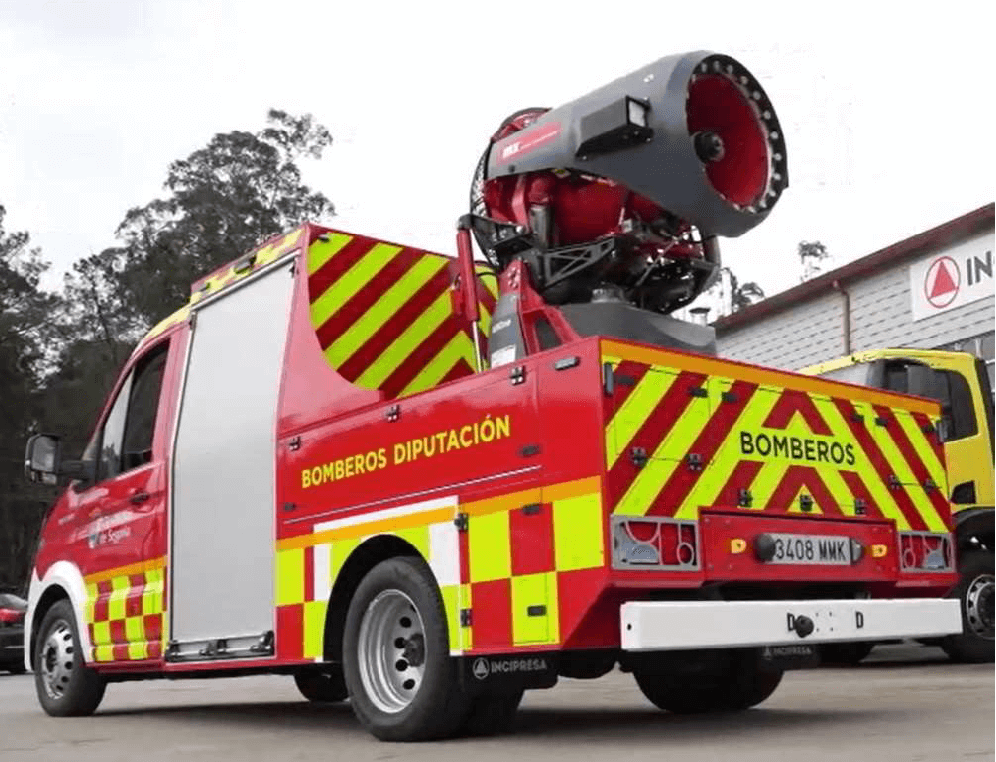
[{"x": 987, "y": 400}]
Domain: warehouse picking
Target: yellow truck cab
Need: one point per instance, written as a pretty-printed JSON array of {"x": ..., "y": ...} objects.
[{"x": 959, "y": 381}]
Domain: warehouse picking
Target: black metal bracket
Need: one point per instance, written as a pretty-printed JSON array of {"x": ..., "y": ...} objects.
[
  {"x": 883, "y": 422},
  {"x": 465, "y": 618},
  {"x": 517, "y": 375},
  {"x": 806, "y": 503},
  {"x": 566, "y": 362},
  {"x": 393, "y": 413},
  {"x": 744, "y": 498},
  {"x": 536, "y": 610},
  {"x": 638, "y": 456},
  {"x": 532, "y": 509},
  {"x": 462, "y": 522},
  {"x": 529, "y": 450},
  {"x": 294, "y": 444},
  {"x": 730, "y": 397},
  {"x": 860, "y": 508},
  {"x": 694, "y": 461},
  {"x": 697, "y": 391}
]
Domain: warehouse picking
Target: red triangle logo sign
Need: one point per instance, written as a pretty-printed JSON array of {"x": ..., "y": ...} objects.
[{"x": 943, "y": 283}]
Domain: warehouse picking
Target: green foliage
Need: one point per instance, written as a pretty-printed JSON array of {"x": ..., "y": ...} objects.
[
  {"x": 814, "y": 258},
  {"x": 743, "y": 294},
  {"x": 60, "y": 354}
]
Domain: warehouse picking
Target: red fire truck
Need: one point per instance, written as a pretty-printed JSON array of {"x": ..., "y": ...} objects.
[{"x": 427, "y": 485}]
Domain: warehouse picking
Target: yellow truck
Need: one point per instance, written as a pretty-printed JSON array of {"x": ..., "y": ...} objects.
[{"x": 959, "y": 381}]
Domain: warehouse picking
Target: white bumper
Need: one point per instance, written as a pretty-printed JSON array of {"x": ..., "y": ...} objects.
[{"x": 664, "y": 625}]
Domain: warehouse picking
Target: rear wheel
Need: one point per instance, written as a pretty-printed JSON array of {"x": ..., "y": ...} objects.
[
  {"x": 403, "y": 685},
  {"x": 975, "y": 590},
  {"x": 322, "y": 687},
  {"x": 66, "y": 687},
  {"x": 738, "y": 682}
]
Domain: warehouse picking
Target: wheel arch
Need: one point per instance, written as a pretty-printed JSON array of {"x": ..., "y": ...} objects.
[
  {"x": 974, "y": 528},
  {"x": 361, "y": 560},
  {"x": 62, "y": 581}
]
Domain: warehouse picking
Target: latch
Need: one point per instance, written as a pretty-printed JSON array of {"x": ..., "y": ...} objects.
[
  {"x": 294, "y": 444},
  {"x": 461, "y": 522},
  {"x": 744, "y": 498},
  {"x": 465, "y": 618},
  {"x": 730, "y": 397},
  {"x": 639, "y": 456},
  {"x": 518, "y": 375},
  {"x": 883, "y": 422},
  {"x": 697, "y": 391},
  {"x": 894, "y": 482},
  {"x": 694, "y": 461},
  {"x": 860, "y": 507},
  {"x": 928, "y": 484},
  {"x": 806, "y": 503},
  {"x": 566, "y": 362},
  {"x": 393, "y": 413},
  {"x": 529, "y": 450}
]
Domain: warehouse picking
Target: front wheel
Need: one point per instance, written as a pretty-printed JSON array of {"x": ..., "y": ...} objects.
[
  {"x": 738, "y": 682},
  {"x": 66, "y": 687},
  {"x": 402, "y": 683},
  {"x": 975, "y": 590}
]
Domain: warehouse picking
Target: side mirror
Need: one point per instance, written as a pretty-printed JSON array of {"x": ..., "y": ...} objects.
[
  {"x": 43, "y": 461},
  {"x": 42, "y": 458}
]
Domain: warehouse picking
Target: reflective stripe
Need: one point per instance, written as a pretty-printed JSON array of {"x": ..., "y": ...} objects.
[
  {"x": 364, "y": 328},
  {"x": 321, "y": 252},
  {"x": 634, "y": 411},
  {"x": 490, "y": 547},
  {"x": 314, "y": 627},
  {"x": 578, "y": 533},
  {"x": 458, "y": 348},
  {"x": 354, "y": 279},
  {"x": 399, "y": 349},
  {"x": 539, "y": 593},
  {"x": 901, "y": 468},
  {"x": 290, "y": 576}
]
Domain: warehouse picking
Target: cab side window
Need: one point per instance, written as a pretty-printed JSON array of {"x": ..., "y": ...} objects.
[
  {"x": 946, "y": 386},
  {"x": 126, "y": 437}
]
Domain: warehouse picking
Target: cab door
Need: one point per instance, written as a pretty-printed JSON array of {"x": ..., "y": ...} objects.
[{"x": 120, "y": 527}]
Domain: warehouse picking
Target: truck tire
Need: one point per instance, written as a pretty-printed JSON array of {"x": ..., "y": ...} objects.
[
  {"x": 491, "y": 713},
  {"x": 744, "y": 682},
  {"x": 403, "y": 685},
  {"x": 322, "y": 687},
  {"x": 975, "y": 590},
  {"x": 845, "y": 654},
  {"x": 66, "y": 687}
]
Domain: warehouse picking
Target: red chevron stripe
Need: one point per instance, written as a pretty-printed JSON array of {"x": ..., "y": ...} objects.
[
  {"x": 366, "y": 297},
  {"x": 742, "y": 477},
  {"x": 709, "y": 440},
  {"x": 796, "y": 478},
  {"x": 879, "y": 463},
  {"x": 320, "y": 280},
  {"x": 916, "y": 465},
  {"x": 859, "y": 491},
  {"x": 421, "y": 356},
  {"x": 394, "y": 326},
  {"x": 460, "y": 369},
  {"x": 790, "y": 402},
  {"x": 932, "y": 439},
  {"x": 652, "y": 432},
  {"x": 635, "y": 371}
]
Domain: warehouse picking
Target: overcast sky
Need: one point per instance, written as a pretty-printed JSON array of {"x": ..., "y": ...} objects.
[{"x": 887, "y": 107}]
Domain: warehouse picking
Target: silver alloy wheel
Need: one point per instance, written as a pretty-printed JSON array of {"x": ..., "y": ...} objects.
[
  {"x": 391, "y": 651},
  {"x": 979, "y": 606},
  {"x": 56, "y": 660}
]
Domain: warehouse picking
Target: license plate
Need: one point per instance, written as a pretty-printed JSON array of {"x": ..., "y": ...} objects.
[{"x": 832, "y": 550}]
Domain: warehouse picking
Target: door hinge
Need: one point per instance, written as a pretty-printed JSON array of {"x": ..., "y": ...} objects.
[
  {"x": 730, "y": 397},
  {"x": 806, "y": 503},
  {"x": 462, "y": 522},
  {"x": 465, "y": 618},
  {"x": 532, "y": 509},
  {"x": 518, "y": 375},
  {"x": 393, "y": 413},
  {"x": 744, "y": 498},
  {"x": 697, "y": 391},
  {"x": 638, "y": 456},
  {"x": 694, "y": 461},
  {"x": 294, "y": 444},
  {"x": 860, "y": 509}
]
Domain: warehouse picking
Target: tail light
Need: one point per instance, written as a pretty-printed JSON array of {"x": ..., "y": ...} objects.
[
  {"x": 925, "y": 552},
  {"x": 10, "y": 616}
]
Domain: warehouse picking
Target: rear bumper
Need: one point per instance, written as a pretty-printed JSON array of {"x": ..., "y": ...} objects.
[{"x": 666, "y": 625}]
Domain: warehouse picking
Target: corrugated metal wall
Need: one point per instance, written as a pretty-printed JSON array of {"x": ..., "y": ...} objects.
[{"x": 881, "y": 316}]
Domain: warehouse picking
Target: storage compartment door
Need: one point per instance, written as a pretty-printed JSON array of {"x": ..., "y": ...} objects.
[{"x": 223, "y": 475}]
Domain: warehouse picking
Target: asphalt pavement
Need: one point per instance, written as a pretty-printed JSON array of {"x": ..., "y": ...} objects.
[{"x": 905, "y": 704}]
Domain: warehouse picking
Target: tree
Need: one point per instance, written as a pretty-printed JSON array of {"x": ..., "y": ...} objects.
[
  {"x": 742, "y": 294},
  {"x": 224, "y": 199},
  {"x": 24, "y": 327},
  {"x": 814, "y": 257}
]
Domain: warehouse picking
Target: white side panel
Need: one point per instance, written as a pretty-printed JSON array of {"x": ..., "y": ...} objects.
[
  {"x": 658, "y": 625},
  {"x": 224, "y": 467}
]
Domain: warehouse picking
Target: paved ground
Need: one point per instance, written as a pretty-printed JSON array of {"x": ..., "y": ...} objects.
[{"x": 904, "y": 704}]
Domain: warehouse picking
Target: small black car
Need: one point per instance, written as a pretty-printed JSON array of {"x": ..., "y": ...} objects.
[{"x": 12, "y": 612}]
